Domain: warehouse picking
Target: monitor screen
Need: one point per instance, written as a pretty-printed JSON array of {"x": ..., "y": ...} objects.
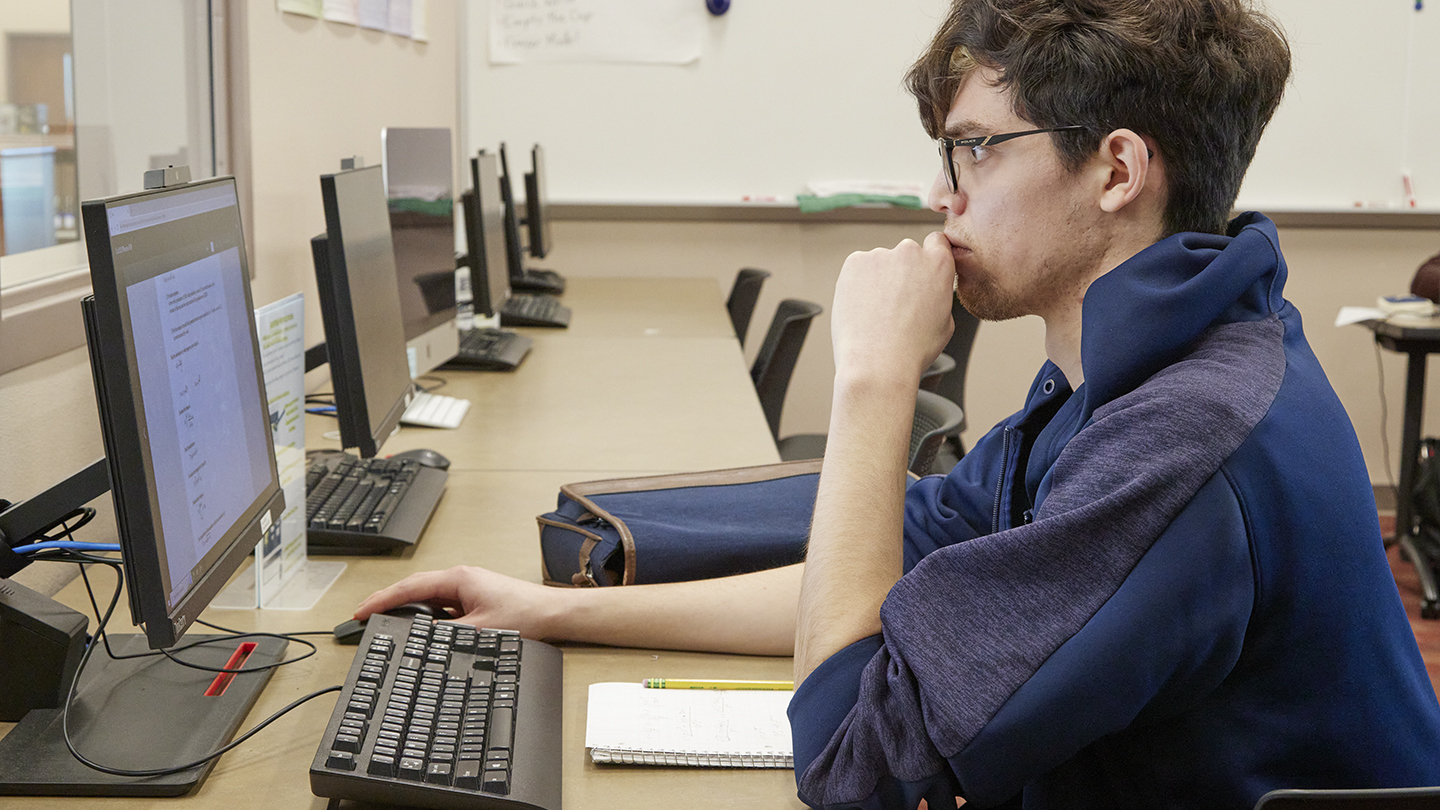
[
  {"x": 485, "y": 232},
  {"x": 419, "y": 191},
  {"x": 182, "y": 401},
  {"x": 364, "y": 338},
  {"x": 515, "y": 262},
  {"x": 537, "y": 205}
]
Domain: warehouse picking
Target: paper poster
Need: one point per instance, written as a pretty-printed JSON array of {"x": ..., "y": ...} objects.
[
  {"x": 342, "y": 11},
  {"x": 420, "y": 20},
  {"x": 400, "y": 18},
  {"x": 652, "y": 31},
  {"x": 375, "y": 14},
  {"x": 281, "y": 327},
  {"x": 309, "y": 8}
]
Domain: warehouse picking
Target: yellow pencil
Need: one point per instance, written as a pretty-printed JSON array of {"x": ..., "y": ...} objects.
[{"x": 677, "y": 683}]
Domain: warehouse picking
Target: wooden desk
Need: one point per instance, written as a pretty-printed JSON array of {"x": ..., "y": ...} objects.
[
  {"x": 643, "y": 307},
  {"x": 1417, "y": 340},
  {"x": 612, "y": 406},
  {"x": 632, "y": 404}
]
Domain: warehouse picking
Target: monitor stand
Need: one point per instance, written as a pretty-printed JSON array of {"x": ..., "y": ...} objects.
[{"x": 136, "y": 714}]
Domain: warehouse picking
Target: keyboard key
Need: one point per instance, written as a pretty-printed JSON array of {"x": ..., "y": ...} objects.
[
  {"x": 381, "y": 765},
  {"x": 467, "y": 774},
  {"x": 411, "y": 768},
  {"x": 438, "y": 773},
  {"x": 495, "y": 781}
]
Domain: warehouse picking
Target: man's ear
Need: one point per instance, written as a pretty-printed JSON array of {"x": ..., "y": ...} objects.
[{"x": 1128, "y": 163}]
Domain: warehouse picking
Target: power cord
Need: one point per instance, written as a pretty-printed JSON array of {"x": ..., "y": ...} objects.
[{"x": 71, "y": 551}]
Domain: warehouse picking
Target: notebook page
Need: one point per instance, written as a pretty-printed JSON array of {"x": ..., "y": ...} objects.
[{"x": 629, "y": 717}]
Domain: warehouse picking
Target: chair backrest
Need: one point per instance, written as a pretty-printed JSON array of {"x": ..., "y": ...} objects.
[
  {"x": 743, "y": 295},
  {"x": 935, "y": 417},
  {"x": 1419, "y": 798},
  {"x": 776, "y": 360},
  {"x": 952, "y": 385},
  {"x": 931, "y": 377}
]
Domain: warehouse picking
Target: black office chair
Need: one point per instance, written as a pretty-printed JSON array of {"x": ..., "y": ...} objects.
[
  {"x": 1421, "y": 798},
  {"x": 775, "y": 362},
  {"x": 743, "y": 295},
  {"x": 935, "y": 417},
  {"x": 952, "y": 385},
  {"x": 930, "y": 379},
  {"x": 812, "y": 445}
]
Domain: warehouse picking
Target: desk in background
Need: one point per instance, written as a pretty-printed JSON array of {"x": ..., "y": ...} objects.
[
  {"x": 1417, "y": 343},
  {"x": 596, "y": 406},
  {"x": 643, "y": 307}
]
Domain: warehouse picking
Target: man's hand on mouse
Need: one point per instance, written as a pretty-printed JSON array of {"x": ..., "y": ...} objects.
[{"x": 476, "y": 596}]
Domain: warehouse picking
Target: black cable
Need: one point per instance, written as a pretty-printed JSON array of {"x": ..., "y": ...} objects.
[
  {"x": 284, "y": 635},
  {"x": 84, "y": 514},
  {"x": 103, "y": 620},
  {"x": 1384, "y": 425}
]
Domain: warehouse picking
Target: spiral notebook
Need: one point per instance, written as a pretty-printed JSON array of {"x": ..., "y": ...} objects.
[{"x": 631, "y": 725}]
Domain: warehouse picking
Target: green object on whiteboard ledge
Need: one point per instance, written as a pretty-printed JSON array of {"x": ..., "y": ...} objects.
[{"x": 810, "y": 204}]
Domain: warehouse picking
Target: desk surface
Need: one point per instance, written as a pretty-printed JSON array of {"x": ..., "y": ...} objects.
[
  {"x": 633, "y": 404},
  {"x": 643, "y": 307},
  {"x": 628, "y": 402}
]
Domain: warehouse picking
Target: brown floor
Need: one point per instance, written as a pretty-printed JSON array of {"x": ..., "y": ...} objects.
[{"x": 1427, "y": 631}]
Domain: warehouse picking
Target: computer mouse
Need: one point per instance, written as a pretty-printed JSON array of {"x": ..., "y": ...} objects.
[
  {"x": 350, "y": 630},
  {"x": 425, "y": 458},
  {"x": 412, "y": 609}
]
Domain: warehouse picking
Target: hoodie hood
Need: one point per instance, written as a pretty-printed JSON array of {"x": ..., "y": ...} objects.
[{"x": 1143, "y": 315}]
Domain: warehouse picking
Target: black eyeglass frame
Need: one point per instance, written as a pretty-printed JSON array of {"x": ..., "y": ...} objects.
[{"x": 947, "y": 147}]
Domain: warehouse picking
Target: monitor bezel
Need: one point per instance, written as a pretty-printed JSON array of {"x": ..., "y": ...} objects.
[
  {"x": 485, "y": 174},
  {"x": 115, "y": 368},
  {"x": 514, "y": 258},
  {"x": 537, "y": 205},
  {"x": 435, "y": 339},
  {"x": 337, "y": 312}
]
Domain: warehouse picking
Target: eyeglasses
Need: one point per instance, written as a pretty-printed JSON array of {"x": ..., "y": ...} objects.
[{"x": 947, "y": 148}]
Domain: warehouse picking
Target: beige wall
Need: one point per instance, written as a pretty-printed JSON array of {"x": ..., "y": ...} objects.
[
  {"x": 306, "y": 93},
  {"x": 1329, "y": 268}
]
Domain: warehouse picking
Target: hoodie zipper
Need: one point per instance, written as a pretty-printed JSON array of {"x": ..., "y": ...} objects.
[{"x": 1004, "y": 471}]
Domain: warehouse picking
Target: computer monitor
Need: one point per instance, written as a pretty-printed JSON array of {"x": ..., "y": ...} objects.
[
  {"x": 191, "y": 469},
  {"x": 485, "y": 235},
  {"x": 181, "y": 396},
  {"x": 364, "y": 337},
  {"x": 537, "y": 205},
  {"x": 515, "y": 261},
  {"x": 419, "y": 190}
]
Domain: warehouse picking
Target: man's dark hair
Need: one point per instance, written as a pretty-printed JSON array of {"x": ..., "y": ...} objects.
[{"x": 1200, "y": 77}]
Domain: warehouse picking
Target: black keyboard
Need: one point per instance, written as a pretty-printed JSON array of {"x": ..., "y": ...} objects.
[
  {"x": 490, "y": 350},
  {"x": 534, "y": 310},
  {"x": 368, "y": 506},
  {"x": 539, "y": 281},
  {"x": 438, "y": 714}
]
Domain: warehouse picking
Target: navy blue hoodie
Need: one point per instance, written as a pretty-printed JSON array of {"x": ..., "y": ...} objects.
[{"x": 1164, "y": 589}]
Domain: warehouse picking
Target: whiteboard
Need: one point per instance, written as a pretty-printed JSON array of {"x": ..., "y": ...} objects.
[
  {"x": 1363, "y": 106},
  {"x": 785, "y": 92},
  {"x": 788, "y": 92}
]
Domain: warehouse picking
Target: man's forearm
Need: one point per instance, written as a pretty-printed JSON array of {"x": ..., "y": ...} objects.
[
  {"x": 855, "y": 553},
  {"x": 751, "y": 613}
]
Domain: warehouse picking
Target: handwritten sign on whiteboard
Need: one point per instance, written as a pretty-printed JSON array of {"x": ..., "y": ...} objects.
[{"x": 653, "y": 31}]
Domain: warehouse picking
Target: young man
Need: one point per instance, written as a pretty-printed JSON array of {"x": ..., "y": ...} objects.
[{"x": 1161, "y": 583}]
